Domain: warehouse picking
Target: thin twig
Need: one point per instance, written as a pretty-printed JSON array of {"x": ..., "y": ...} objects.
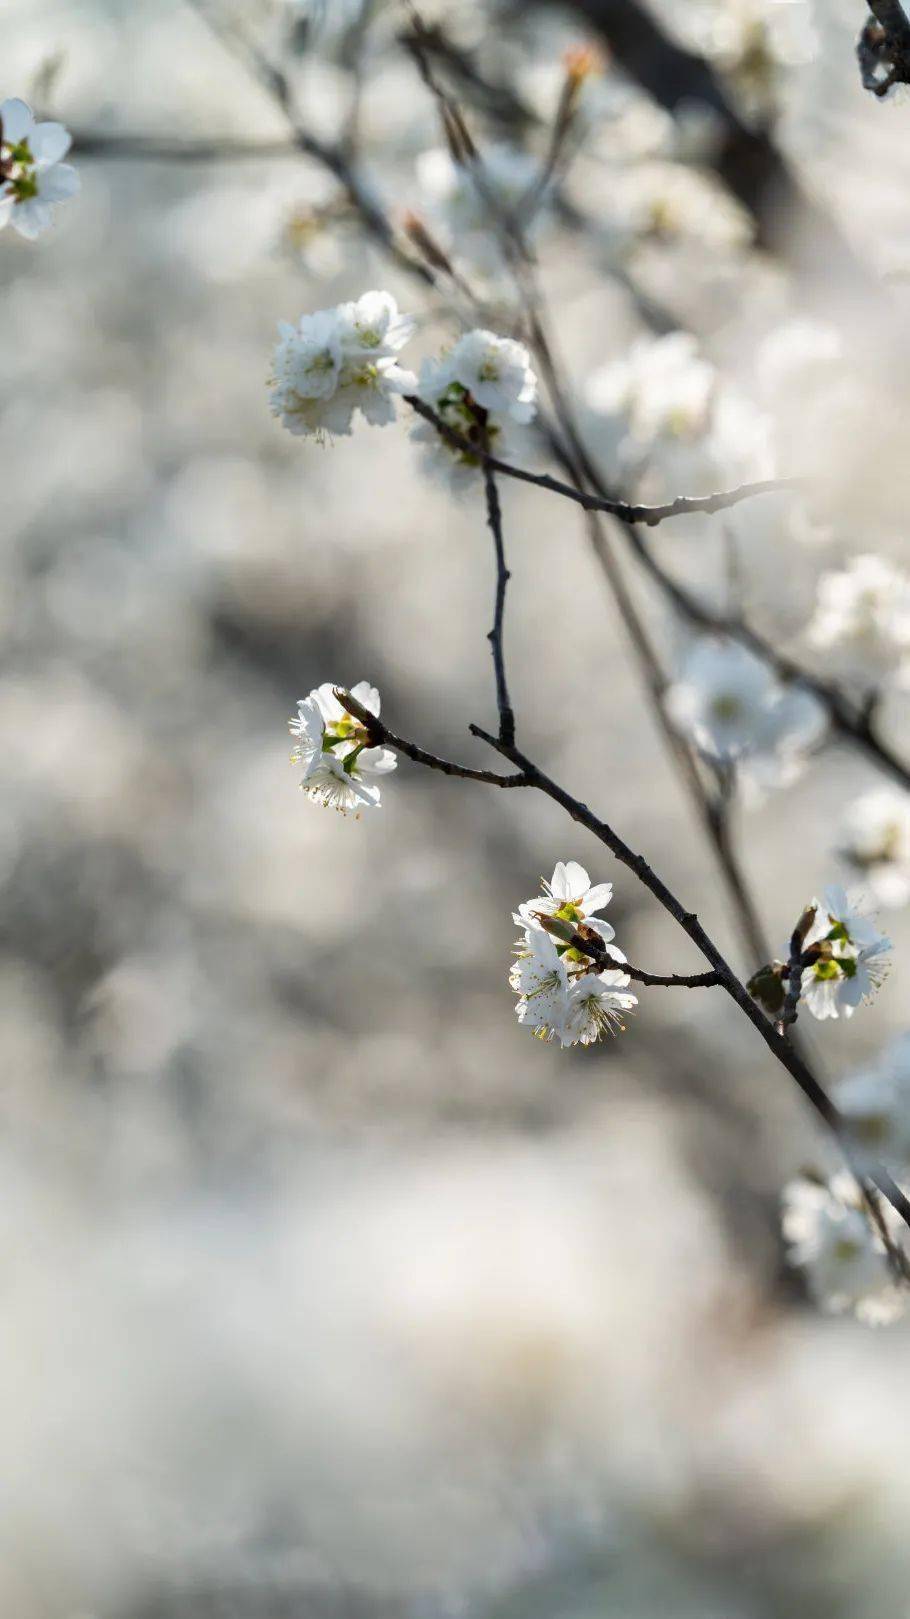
[
  {"x": 494, "y": 519},
  {"x": 627, "y": 511},
  {"x": 380, "y": 736},
  {"x": 331, "y": 155}
]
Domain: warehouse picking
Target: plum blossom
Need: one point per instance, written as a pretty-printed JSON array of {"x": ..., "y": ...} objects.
[
  {"x": 570, "y": 896},
  {"x": 850, "y": 960},
  {"x": 844, "y": 1260},
  {"x": 662, "y": 389},
  {"x": 561, "y": 995},
  {"x": 339, "y": 764},
  {"x": 862, "y": 620},
  {"x": 32, "y": 176},
  {"x": 730, "y": 704},
  {"x": 875, "y": 840},
  {"x": 483, "y": 387},
  {"x": 876, "y": 1106},
  {"x": 337, "y": 361},
  {"x": 459, "y": 199}
]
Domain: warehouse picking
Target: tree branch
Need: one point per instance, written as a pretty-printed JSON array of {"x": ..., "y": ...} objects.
[
  {"x": 494, "y": 519},
  {"x": 380, "y": 736},
  {"x": 627, "y": 511}
]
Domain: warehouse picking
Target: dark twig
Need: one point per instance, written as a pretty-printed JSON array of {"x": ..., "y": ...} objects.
[
  {"x": 494, "y": 519},
  {"x": 626, "y": 511},
  {"x": 380, "y": 736}
]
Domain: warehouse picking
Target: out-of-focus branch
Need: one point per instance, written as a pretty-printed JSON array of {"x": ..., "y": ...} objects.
[
  {"x": 131, "y": 146},
  {"x": 627, "y": 511},
  {"x": 789, "y": 223},
  {"x": 333, "y": 157}
]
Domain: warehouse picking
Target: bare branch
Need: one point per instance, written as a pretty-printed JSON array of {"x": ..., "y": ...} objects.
[
  {"x": 494, "y": 519},
  {"x": 380, "y": 736}
]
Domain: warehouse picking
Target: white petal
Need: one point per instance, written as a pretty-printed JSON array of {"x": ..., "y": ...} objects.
[
  {"x": 577, "y": 880},
  {"x": 58, "y": 183},
  {"x": 17, "y": 120},
  {"x": 31, "y": 218},
  {"x": 49, "y": 143}
]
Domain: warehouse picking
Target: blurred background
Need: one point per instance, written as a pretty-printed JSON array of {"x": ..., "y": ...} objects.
[{"x": 326, "y": 1290}]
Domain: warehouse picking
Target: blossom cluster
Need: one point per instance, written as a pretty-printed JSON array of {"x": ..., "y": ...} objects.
[
  {"x": 842, "y": 960},
  {"x": 479, "y": 388},
  {"x": 562, "y": 996},
  {"x": 844, "y": 1259},
  {"x": 849, "y": 957},
  {"x": 32, "y": 176},
  {"x": 341, "y": 768},
  {"x": 862, "y": 621},
  {"x": 335, "y": 362}
]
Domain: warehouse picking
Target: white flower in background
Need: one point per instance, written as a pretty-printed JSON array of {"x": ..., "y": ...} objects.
[
  {"x": 339, "y": 765},
  {"x": 876, "y": 1106},
  {"x": 862, "y": 619},
  {"x": 32, "y": 176},
  {"x": 665, "y": 202},
  {"x": 851, "y": 963},
  {"x": 754, "y": 42},
  {"x": 482, "y": 387},
  {"x": 662, "y": 389},
  {"x": 337, "y": 361},
  {"x": 875, "y": 839},
  {"x": 459, "y": 199},
  {"x": 562, "y": 996},
  {"x": 830, "y": 1239},
  {"x": 730, "y": 704}
]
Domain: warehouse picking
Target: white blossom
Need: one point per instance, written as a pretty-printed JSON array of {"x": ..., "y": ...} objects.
[
  {"x": 483, "y": 388},
  {"x": 561, "y": 995},
  {"x": 570, "y": 896},
  {"x": 662, "y": 410},
  {"x": 731, "y": 705},
  {"x": 662, "y": 389},
  {"x": 862, "y": 619},
  {"x": 876, "y": 1106},
  {"x": 851, "y": 962},
  {"x": 339, "y": 765},
  {"x": 497, "y": 373},
  {"x": 337, "y": 361},
  {"x": 875, "y": 839},
  {"x": 32, "y": 176},
  {"x": 830, "y": 1239},
  {"x": 664, "y": 202},
  {"x": 464, "y": 200}
]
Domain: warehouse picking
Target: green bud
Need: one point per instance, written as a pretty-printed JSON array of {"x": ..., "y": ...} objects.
[{"x": 767, "y": 987}]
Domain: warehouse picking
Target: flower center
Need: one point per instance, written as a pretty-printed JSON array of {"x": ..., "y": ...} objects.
[{"x": 726, "y": 707}]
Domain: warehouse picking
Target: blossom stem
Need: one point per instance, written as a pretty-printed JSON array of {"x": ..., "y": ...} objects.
[
  {"x": 626, "y": 510},
  {"x": 494, "y": 519},
  {"x": 380, "y": 736}
]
